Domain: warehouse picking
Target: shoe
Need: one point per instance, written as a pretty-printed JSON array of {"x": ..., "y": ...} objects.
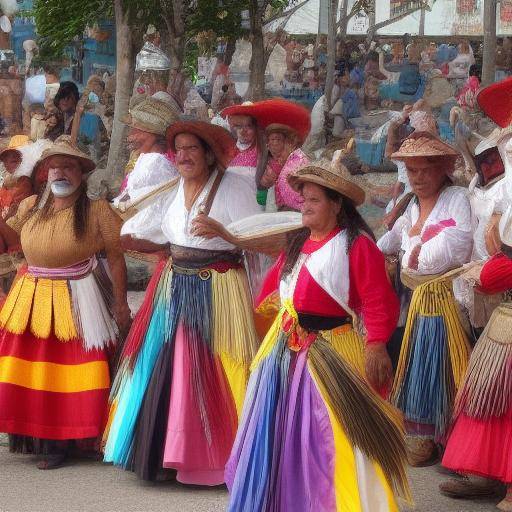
[
  {"x": 447, "y": 472},
  {"x": 466, "y": 489},
  {"x": 53, "y": 461},
  {"x": 505, "y": 505},
  {"x": 421, "y": 452}
]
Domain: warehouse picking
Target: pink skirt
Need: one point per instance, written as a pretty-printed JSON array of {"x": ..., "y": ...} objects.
[{"x": 481, "y": 447}]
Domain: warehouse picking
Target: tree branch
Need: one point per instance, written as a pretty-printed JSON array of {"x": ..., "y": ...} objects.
[
  {"x": 285, "y": 14},
  {"x": 385, "y": 23}
]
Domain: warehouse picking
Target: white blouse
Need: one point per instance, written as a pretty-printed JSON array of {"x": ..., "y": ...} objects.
[
  {"x": 167, "y": 220},
  {"x": 447, "y": 234}
]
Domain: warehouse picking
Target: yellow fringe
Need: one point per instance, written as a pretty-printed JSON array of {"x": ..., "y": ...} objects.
[
  {"x": 10, "y": 301},
  {"x": 18, "y": 319},
  {"x": 41, "y": 320},
  {"x": 64, "y": 324},
  {"x": 435, "y": 298},
  {"x": 349, "y": 345},
  {"x": 233, "y": 333}
]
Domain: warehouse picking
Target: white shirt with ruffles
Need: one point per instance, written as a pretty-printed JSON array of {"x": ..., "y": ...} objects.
[{"x": 451, "y": 247}]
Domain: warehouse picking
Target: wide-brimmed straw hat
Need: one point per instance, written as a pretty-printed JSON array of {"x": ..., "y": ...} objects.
[
  {"x": 424, "y": 144},
  {"x": 275, "y": 111},
  {"x": 220, "y": 141},
  {"x": 493, "y": 139},
  {"x": 496, "y": 102},
  {"x": 64, "y": 147},
  {"x": 330, "y": 174},
  {"x": 16, "y": 142},
  {"x": 151, "y": 115}
]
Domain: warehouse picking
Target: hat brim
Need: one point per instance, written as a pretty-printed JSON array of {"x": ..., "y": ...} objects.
[
  {"x": 275, "y": 111},
  {"x": 220, "y": 141},
  {"x": 320, "y": 176},
  {"x": 87, "y": 164},
  {"x": 6, "y": 150},
  {"x": 281, "y": 128},
  {"x": 496, "y": 102}
]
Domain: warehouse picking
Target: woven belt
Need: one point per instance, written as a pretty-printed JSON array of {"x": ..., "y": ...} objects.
[{"x": 203, "y": 273}]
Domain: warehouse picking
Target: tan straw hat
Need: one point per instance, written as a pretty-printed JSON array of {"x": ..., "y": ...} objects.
[
  {"x": 220, "y": 141},
  {"x": 330, "y": 174},
  {"x": 151, "y": 115},
  {"x": 64, "y": 147},
  {"x": 424, "y": 144}
]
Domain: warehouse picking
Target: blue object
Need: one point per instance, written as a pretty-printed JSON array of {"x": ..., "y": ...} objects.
[
  {"x": 445, "y": 131},
  {"x": 370, "y": 154},
  {"x": 391, "y": 91},
  {"x": 410, "y": 80}
]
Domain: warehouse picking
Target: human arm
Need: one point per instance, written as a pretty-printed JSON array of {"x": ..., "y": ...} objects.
[{"x": 375, "y": 300}]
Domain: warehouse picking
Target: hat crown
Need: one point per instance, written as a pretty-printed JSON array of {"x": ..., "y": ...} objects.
[{"x": 155, "y": 114}]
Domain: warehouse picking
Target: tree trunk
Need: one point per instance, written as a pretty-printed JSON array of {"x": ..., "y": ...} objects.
[
  {"x": 125, "y": 70},
  {"x": 421, "y": 31},
  {"x": 332, "y": 25},
  {"x": 256, "y": 89},
  {"x": 489, "y": 54},
  {"x": 344, "y": 18}
]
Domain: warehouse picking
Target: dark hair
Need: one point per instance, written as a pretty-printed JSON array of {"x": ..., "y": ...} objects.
[
  {"x": 348, "y": 218},
  {"x": 225, "y": 88},
  {"x": 66, "y": 90},
  {"x": 475, "y": 70}
]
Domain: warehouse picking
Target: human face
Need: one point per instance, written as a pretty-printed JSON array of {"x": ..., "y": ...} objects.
[
  {"x": 319, "y": 213},
  {"x": 191, "y": 157},
  {"x": 427, "y": 176},
  {"x": 11, "y": 160},
  {"x": 67, "y": 104},
  {"x": 245, "y": 129},
  {"x": 64, "y": 175},
  {"x": 275, "y": 144},
  {"x": 139, "y": 140}
]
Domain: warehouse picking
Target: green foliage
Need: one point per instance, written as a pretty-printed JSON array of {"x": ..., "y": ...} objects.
[{"x": 59, "y": 22}]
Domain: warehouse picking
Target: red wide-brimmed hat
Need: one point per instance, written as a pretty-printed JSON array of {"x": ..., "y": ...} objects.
[
  {"x": 275, "y": 111},
  {"x": 220, "y": 141},
  {"x": 496, "y": 102}
]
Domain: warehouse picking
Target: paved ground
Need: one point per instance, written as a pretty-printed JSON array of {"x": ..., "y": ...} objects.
[{"x": 87, "y": 486}]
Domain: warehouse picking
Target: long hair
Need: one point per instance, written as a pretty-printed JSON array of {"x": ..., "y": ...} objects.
[
  {"x": 80, "y": 210},
  {"x": 348, "y": 219}
]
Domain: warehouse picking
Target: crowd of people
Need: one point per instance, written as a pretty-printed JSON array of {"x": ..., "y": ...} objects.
[{"x": 303, "y": 366}]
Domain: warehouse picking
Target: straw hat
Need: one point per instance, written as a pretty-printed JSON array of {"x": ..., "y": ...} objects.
[
  {"x": 218, "y": 139},
  {"x": 64, "y": 147},
  {"x": 287, "y": 131},
  {"x": 275, "y": 111},
  {"x": 16, "y": 142},
  {"x": 496, "y": 102},
  {"x": 151, "y": 115},
  {"x": 330, "y": 174},
  {"x": 492, "y": 140},
  {"x": 424, "y": 144}
]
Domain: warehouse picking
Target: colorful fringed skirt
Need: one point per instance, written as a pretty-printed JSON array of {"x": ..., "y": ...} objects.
[
  {"x": 481, "y": 440},
  {"x": 313, "y": 436},
  {"x": 55, "y": 332},
  {"x": 183, "y": 372},
  {"x": 433, "y": 360}
]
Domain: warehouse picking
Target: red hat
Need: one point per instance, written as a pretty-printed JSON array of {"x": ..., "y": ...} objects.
[
  {"x": 274, "y": 111},
  {"x": 496, "y": 102}
]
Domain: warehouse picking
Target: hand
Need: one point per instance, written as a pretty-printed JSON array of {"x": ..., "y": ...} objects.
[
  {"x": 378, "y": 367},
  {"x": 123, "y": 317},
  {"x": 414, "y": 258},
  {"x": 269, "y": 177},
  {"x": 208, "y": 228}
]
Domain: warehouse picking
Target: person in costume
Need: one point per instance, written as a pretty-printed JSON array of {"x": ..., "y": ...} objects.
[
  {"x": 306, "y": 405},
  {"x": 283, "y": 142},
  {"x": 433, "y": 236},
  {"x": 151, "y": 166},
  {"x": 479, "y": 443},
  {"x": 58, "y": 322},
  {"x": 183, "y": 371}
]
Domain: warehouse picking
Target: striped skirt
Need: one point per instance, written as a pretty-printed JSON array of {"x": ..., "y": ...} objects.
[
  {"x": 313, "y": 436},
  {"x": 183, "y": 374}
]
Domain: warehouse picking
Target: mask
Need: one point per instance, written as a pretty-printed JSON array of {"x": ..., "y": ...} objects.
[
  {"x": 93, "y": 97},
  {"x": 62, "y": 188}
]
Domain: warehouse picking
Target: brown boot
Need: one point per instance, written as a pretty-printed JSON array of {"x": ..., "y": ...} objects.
[
  {"x": 421, "y": 452},
  {"x": 470, "y": 489}
]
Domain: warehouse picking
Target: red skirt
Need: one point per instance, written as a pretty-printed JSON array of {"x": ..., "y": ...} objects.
[
  {"x": 51, "y": 389},
  {"x": 481, "y": 447}
]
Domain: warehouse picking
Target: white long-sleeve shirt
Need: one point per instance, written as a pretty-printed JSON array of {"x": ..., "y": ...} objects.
[{"x": 452, "y": 244}]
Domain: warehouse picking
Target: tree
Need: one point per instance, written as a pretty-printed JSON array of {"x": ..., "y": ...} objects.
[{"x": 489, "y": 55}]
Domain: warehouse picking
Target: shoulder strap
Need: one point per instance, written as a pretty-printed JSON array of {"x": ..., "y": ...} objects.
[{"x": 207, "y": 205}]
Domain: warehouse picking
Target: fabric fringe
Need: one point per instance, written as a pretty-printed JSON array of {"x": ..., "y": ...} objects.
[
  {"x": 232, "y": 333},
  {"x": 487, "y": 389},
  {"x": 382, "y": 438},
  {"x": 64, "y": 324},
  {"x": 42, "y": 316},
  {"x": 434, "y": 299},
  {"x": 349, "y": 345},
  {"x": 16, "y": 310}
]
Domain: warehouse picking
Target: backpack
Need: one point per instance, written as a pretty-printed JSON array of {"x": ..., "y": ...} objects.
[{"x": 409, "y": 80}]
